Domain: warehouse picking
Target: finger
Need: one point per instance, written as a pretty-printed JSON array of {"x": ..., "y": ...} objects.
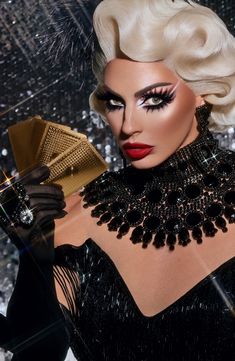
[
  {"x": 38, "y": 204},
  {"x": 39, "y": 174},
  {"x": 57, "y": 205},
  {"x": 45, "y": 191}
]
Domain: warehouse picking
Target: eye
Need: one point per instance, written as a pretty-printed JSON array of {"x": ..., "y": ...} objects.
[
  {"x": 115, "y": 103},
  {"x": 157, "y": 100},
  {"x": 153, "y": 101},
  {"x": 111, "y": 101}
]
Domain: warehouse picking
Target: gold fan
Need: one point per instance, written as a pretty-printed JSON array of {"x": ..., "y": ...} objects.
[{"x": 72, "y": 160}]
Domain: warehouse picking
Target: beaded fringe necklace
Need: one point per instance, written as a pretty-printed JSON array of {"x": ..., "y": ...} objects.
[{"x": 192, "y": 191}]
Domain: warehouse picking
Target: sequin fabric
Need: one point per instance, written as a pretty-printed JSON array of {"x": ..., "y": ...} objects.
[
  {"x": 104, "y": 320},
  {"x": 32, "y": 85},
  {"x": 106, "y": 323}
]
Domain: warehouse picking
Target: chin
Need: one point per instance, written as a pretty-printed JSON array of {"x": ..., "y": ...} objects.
[
  {"x": 144, "y": 163},
  {"x": 148, "y": 162}
]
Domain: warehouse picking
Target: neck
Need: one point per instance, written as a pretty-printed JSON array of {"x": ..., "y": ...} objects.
[{"x": 197, "y": 156}]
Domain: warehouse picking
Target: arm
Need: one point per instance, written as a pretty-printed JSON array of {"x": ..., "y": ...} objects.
[
  {"x": 4, "y": 331},
  {"x": 34, "y": 316},
  {"x": 35, "y": 322}
]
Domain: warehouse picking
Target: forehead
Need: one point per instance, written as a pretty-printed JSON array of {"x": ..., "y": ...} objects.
[{"x": 120, "y": 73}]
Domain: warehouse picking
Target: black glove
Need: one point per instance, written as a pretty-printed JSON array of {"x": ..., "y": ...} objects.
[
  {"x": 47, "y": 203},
  {"x": 34, "y": 317}
]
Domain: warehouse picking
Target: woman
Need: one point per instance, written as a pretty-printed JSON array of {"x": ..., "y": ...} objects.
[{"x": 144, "y": 260}]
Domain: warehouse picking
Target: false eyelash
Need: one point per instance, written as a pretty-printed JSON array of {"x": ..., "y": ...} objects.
[
  {"x": 110, "y": 108},
  {"x": 106, "y": 95},
  {"x": 167, "y": 96}
]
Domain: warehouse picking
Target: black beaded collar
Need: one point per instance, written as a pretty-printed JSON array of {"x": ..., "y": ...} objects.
[{"x": 193, "y": 190}]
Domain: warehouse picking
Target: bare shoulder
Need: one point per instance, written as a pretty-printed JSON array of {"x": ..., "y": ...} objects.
[{"x": 74, "y": 227}]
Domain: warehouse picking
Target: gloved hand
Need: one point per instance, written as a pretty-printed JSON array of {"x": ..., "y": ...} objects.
[
  {"x": 47, "y": 203},
  {"x": 35, "y": 325}
]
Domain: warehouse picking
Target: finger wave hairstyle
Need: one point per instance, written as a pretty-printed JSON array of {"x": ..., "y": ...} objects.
[{"x": 189, "y": 38}]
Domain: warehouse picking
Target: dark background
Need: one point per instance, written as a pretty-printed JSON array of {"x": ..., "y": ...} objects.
[{"x": 45, "y": 52}]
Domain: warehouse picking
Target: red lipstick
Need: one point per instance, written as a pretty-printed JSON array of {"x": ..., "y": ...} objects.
[{"x": 137, "y": 150}]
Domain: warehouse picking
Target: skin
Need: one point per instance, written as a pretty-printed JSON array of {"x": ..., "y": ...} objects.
[
  {"x": 166, "y": 129},
  {"x": 155, "y": 278}
]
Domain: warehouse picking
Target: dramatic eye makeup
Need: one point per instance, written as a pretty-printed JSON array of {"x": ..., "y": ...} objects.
[
  {"x": 111, "y": 101},
  {"x": 157, "y": 99},
  {"x": 153, "y": 99}
]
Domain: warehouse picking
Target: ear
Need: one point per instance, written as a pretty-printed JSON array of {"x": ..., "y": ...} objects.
[{"x": 199, "y": 101}]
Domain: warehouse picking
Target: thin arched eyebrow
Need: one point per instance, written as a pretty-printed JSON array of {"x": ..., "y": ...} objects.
[
  {"x": 150, "y": 87},
  {"x": 138, "y": 94}
]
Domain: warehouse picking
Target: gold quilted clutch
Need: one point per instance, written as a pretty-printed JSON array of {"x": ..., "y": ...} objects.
[{"x": 72, "y": 160}]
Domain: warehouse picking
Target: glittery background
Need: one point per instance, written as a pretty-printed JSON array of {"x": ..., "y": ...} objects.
[{"x": 45, "y": 51}]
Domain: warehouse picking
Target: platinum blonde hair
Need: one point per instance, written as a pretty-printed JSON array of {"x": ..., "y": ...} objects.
[{"x": 189, "y": 38}]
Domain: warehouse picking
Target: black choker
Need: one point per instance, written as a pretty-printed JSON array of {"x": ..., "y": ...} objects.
[{"x": 193, "y": 190}]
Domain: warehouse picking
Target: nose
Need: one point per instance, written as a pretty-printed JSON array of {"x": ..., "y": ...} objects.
[{"x": 130, "y": 121}]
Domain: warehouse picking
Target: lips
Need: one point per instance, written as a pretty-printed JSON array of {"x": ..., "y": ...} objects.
[{"x": 137, "y": 150}]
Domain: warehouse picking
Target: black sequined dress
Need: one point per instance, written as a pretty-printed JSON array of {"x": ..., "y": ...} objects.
[
  {"x": 106, "y": 324},
  {"x": 104, "y": 321}
]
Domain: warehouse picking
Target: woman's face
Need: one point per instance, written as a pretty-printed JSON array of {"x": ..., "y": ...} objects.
[{"x": 149, "y": 109}]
